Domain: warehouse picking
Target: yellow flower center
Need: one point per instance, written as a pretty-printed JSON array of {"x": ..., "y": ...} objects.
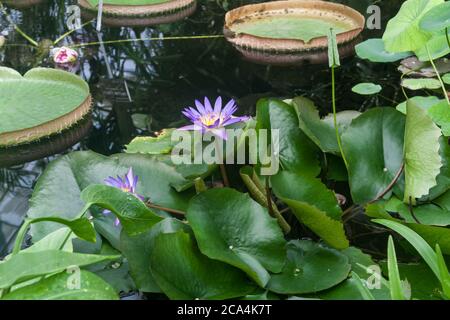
[{"x": 209, "y": 119}]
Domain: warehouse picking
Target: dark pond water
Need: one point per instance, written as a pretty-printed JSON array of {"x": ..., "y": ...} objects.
[{"x": 140, "y": 87}]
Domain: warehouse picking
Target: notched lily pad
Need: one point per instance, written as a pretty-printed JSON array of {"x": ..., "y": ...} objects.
[{"x": 40, "y": 103}]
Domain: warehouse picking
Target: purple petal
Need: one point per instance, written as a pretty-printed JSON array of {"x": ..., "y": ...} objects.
[
  {"x": 208, "y": 106},
  {"x": 117, "y": 222},
  {"x": 218, "y": 105},
  {"x": 228, "y": 107},
  {"x": 113, "y": 182},
  {"x": 189, "y": 127},
  {"x": 235, "y": 120},
  {"x": 200, "y": 107}
]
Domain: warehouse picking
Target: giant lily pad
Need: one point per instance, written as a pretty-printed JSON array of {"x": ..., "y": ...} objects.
[
  {"x": 374, "y": 50},
  {"x": 41, "y": 103},
  {"x": 290, "y": 26},
  {"x": 403, "y": 32},
  {"x": 437, "y": 18},
  {"x": 140, "y": 12},
  {"x": 373, "y": 146},
  {"x": 231, "y": 227},
  {"x": 310, "y": 268}
]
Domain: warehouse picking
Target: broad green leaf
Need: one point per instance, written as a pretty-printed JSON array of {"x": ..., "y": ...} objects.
[
  {"x": 437, "y": 47},
  {"x": 296, "y": 152},
  {"x": 364, "y": 291},
  {"x": 231, "y": 227},
  {"x": 367, "y": 88},
  {"x": 133, "y": 214},
  {"x": 422, "y": 83},
  {"x": 58, "y": 189},
  {"x": 403, "y": 32},
  {"x": 41, "y": 96},
  {"x": 182, "y": 272},
  {"x": 137, "y": 250},
  {"x": 437, "y": 18},
  {"x": 57, "y": 240},
  {"x": 81, "y": 227},
  {"x": 422, "y": 160},
  {"x": 309, "y": 268},
  {"x": 313, "y": 204},
  {"x": 446, "y": 78},
  {"x": 27, "y": 265},
  {"x": 66, "y": 286},
  {"x": 373, "y": 146},
  {"x": 348, "y": 290},
  {"x": 321, "y": 131},
  {"x": 373, "y": 50},
  {"x": 440, "y": 113},
  {"x": 424, "y": 102},
  {"x": 395, "y": 283},
  {"x": 416, "y": 241},
  {"x": 162, "y": 144}
]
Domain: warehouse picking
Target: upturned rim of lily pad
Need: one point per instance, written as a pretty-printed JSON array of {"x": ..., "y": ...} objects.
[
  {"x": 19, "y": 4},
  {"x": 51, "y": 127},
  {"x": 143, "y": 15},
  {"x": 310, "y": 8}
]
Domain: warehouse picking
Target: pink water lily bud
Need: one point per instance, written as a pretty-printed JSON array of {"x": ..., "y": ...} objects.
[{"x": 64, "y": 55}]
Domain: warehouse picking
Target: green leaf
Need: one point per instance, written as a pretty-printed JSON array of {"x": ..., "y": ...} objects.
[
  {"x": 333, "y": 50},
  {"x": 422, "y": 160},
  {"x": 321, "y": 131},
  {"x": 58, "y": 189},
  {"x": 395, "y": 283},
  {"x": 427, "y": 214},
  {"x": 373, "y": 146},
  {"x": 446, "y": 78},
  {"x": 133, "y": 214},
  {"x": 443, "y": 271},
  {"x": 31, "y": 105},
  {"x": 436, "y": 19},
  {"x": 364, "y": 291},
  {"x": 231, "y": 227},
  {"x": 27, "y": 265},
  {"x": 403, "y": 32},
  {"x": 424, "y": 102},
  {"x": 367, "y": 88},
  {"x": 422, "y": 83},
  {"x": 182, "y": 272},
  {"x": 162, "y": 144},
  {"x": 81, "y": 227},
  {"x": 313, "y": 204},
  {"x": 59, "y": 287},
  {"x": 297, "y": 153},
  {"x": 440, "y": 113},
  {"x": 416, "y": 241},
  {"x": 374, "y": 50},
  {"x": 437, "y": 46},
  {"x": 137, "y": 250},
  {"x": 309, "y": 268}
]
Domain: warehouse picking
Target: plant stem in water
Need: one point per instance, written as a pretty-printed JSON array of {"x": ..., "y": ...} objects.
[{"x": 333, "y": 96}]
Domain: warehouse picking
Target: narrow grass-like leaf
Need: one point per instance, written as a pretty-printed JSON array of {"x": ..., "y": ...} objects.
[{"x": 395, "y": 283}]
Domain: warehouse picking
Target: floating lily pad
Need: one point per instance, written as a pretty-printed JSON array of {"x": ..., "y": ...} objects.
[
  {"x": 291, "y": 26},
  {"x": 374, "y": 50},
  {"x": 310, "y": 268},
  {"x": 41, "y": 103},
  {"x": 140, "y": 12},
  {"x": 418, "y": 84},
  {"x": 367, "y": 88}
]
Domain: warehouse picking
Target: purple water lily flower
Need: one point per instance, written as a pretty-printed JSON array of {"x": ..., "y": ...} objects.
[
  {"x": 206, "y": 118},
  {"x": 127, "y": 184}
]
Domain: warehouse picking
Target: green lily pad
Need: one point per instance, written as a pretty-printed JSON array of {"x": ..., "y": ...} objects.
[
  {"x": 440, "y": 113},
  {"x": 419, "y": 84},
  {"x": 87, "y": 287},
  {"x": 41, "y": 103},
  {"x": 437, "y": 18},
  {"x": 58, "y": 190},
  {"x": 367, "y": 88},
  {"x": 429, "y": 213},
  {"x": 297, "y": 153},
  {"x": 373, "y": 146},
  {"x": 321, "y": 131},
  {"x": 422, "y": 159},
  {"x": 183, "y": 272},
  {"x": 437, "y": 46},
  {"x": 403, "y": 32},
  {"x": 310, "y": 268},
  {"x": 424, "y": 102},
  {"x": 162, "y": 144},
  {"x": 231, "y": 227},
  {"x": 313, "y": 204},
  {"x": 374, "y": 50}
]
